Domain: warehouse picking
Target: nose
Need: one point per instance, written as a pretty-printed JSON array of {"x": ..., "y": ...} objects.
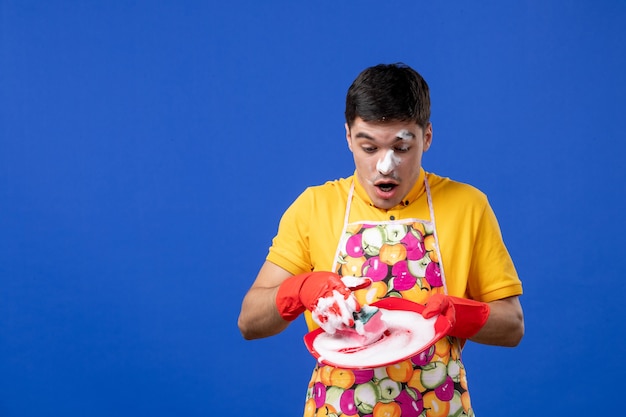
[
  {"x": 383, "y": 169},
  {"x": 387, "y": 163}
]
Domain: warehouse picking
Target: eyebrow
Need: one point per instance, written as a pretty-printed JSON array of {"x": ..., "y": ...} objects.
[{"x": 407, "y": 136}]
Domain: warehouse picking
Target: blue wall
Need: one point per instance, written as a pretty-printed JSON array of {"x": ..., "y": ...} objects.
[{"x": 148, "y": 149}]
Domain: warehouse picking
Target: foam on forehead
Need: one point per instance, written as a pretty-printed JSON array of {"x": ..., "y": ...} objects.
[{"x": 404, "y": 134}]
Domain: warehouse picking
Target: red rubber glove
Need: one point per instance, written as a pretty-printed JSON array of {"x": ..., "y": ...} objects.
[
  {"x": 323, "y": 293},
  {"x": 466, "y": 316}
]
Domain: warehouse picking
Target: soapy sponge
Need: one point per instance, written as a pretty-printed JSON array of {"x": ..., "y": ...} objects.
[{"x": 368, "y": 328}]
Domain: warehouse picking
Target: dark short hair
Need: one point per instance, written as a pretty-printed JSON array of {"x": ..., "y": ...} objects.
[{"x": 388, "y": 92}]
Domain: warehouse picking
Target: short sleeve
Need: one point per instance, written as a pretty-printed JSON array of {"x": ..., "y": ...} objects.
[
  {"x": 492, "y": 274},
  {"x": 290, "y": 247}
]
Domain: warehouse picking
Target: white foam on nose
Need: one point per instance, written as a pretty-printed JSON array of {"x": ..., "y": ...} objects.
[{"x": 388, "y": 162}]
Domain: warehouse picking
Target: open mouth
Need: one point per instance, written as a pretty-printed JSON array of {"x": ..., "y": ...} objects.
[{"x": 386, "y": 187}]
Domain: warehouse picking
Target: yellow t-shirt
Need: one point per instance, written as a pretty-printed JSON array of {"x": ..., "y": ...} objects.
[{"x": 475, "y": 260}]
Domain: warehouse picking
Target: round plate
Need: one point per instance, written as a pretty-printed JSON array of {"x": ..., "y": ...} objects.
[{"x": 408, "y": 334}]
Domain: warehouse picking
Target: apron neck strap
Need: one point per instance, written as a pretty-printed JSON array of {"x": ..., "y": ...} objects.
[{"x": 429, "y": 199}]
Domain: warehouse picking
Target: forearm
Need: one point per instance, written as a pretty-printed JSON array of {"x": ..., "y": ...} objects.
[
  {"x": 259, "y": 317},
  {"x": 505, "y": 325},
  {"x": 277, "y": 298}
]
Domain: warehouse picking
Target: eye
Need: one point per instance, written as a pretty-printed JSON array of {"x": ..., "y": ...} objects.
[
  {"x": 369, "y": 149},
  {"x": 402, "y": 149}
]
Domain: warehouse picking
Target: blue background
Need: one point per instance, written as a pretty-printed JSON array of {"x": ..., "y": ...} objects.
[{"x": 148, "y": 149}]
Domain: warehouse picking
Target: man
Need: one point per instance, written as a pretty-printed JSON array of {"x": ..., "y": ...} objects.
[{"x": 418, "y": 236}]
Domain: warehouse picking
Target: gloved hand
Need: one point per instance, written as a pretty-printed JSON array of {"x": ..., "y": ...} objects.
[
  {"x": 466, "y": 316},
  {"x": 324, "y": 294}
]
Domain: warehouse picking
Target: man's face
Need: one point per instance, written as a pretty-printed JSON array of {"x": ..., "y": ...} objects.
[{"x": 388, "y": 157}]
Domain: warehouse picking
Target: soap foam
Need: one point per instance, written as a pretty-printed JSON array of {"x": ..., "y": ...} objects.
[
  {"x": 368, "y": 326},
  {"x": 388, "y": 162},
  {"x": 334, "y": 312},
  {"x": 405, "y": 134},
  {"x": 407, "y": 334}
]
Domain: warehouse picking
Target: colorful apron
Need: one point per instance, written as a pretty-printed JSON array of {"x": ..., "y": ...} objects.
[{"x": 402, "y": 259}]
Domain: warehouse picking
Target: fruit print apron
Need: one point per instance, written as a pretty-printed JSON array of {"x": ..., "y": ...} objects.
[{"x": 402, "y": 259}]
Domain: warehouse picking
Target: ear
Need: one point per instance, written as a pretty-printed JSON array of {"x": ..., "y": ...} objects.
[
  {"x": 428, "y": 136},
  {"x": 348, "y": 137}
]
